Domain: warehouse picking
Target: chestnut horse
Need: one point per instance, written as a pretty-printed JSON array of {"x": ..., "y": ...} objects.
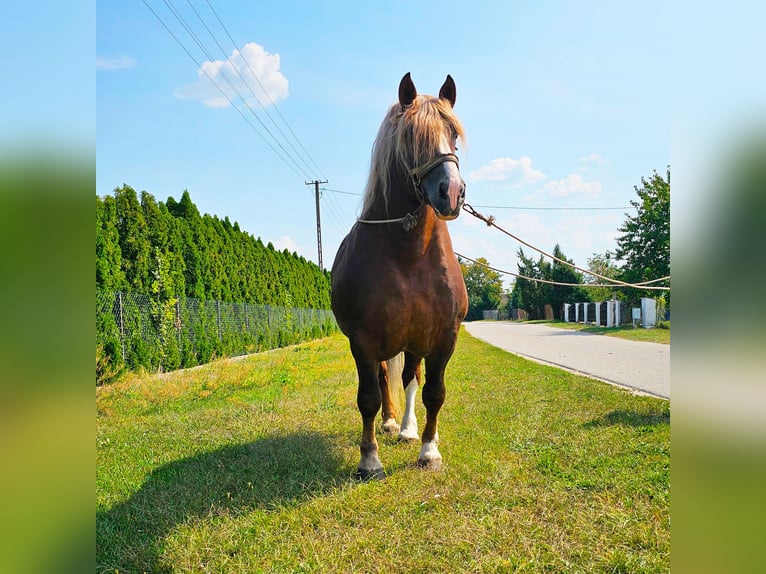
[{"x": 396, "y": 283}]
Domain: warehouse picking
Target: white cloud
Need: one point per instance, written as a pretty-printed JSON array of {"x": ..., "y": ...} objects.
[
  {"x": 110, "y": 64},
  {"x": 593, "y": 158},
  {"x": 238, "y": 71},
  {"x": 518, "y": 172},
  {"x": 570, "y": 186}
]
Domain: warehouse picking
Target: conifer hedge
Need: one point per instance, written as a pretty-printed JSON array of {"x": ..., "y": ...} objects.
[{"x": 176, "y": 288}]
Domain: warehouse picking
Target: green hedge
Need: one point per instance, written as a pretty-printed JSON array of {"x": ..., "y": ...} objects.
[{"x": 140, "y": 331}]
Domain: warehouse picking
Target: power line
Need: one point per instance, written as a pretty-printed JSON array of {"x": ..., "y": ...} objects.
[
  {"x": 273, "y": 103},
  {"x": 342, "y": 192},
  {"x": 210, "y": 57},
  {"x": 553, "y": 208},
  {"x": 223, "y": 93},
  {"x": 538, "y": 280},
  {"x": 490, "y": 221}
]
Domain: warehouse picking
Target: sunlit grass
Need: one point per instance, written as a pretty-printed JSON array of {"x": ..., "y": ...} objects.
[
  {"x": 652, "y": 335},
  {"x": 246, "y": 466}
]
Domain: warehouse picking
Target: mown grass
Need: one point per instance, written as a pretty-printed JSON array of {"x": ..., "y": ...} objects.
[
  {"x": 653, "y": 335},
  {"x": 246, "y": 466}
]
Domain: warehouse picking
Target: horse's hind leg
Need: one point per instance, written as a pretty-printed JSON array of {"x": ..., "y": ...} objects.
[
  {"x": 368, "y": 399},
  {"x": 385, "y": 379},
  {"x": 411, "y": 378}
]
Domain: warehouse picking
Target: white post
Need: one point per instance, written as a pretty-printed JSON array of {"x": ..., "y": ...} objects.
[
  {"x": 577, "y": 312},
  {"x": 610, "y": 313},
  {"x": 648, "y": 312},
  {"x": 566, "y": 312},
  {"x": 616, "y": 313},
  {"x": 585, "y": 313},
  {"x": 598, "y": 314}
]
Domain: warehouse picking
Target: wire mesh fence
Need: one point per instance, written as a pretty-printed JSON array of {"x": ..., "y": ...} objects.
[{"x": 143, "y": 331}]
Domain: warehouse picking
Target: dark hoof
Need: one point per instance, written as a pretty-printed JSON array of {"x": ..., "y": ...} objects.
[
  {"x": 368, "y": 475},
  {"x": 432, "y": 464},
  {"x": 408, "y": 439}
]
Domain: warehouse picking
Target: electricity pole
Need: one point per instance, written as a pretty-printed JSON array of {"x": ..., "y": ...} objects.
[{"x": 316, "y": 183}]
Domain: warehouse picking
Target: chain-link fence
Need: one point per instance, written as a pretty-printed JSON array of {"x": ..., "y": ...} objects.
[{"x": 142, "y": 331}]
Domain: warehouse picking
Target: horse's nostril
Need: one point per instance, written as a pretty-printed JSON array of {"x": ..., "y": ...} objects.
[{"x": 444, "y": 189}]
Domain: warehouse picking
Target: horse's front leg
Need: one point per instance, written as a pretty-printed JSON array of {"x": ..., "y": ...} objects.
[
  {"x": 368, "y": 399},
  {"x": 434, "y": 392}
]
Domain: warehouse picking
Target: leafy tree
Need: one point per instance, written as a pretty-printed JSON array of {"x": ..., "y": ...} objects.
[
  {"x": 557, "y": 295},
  {"x": 603, "y": 264},
  {"x": 532, "y": 296},
  {"x": 528, "y": 295},
  {"x": 484, "y": 287},
  {"x": 644, "y": 245}
]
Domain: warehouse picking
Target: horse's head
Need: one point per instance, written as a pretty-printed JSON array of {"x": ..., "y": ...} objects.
[{"x": 427, "y": 142}]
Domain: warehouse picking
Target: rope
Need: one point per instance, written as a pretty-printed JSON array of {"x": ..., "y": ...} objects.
[
  {"x": 558, "y": 282},
  {"x": 490, "y": 221},
  {"x": 409, "y": 221}
]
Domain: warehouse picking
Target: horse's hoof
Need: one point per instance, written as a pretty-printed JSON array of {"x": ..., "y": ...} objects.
[
  {"x": 432, "y": 464},
  {"x": 408, "y": 438},
  {"x": 390, "y": 427},
  {"x": 365, "y": 475}
]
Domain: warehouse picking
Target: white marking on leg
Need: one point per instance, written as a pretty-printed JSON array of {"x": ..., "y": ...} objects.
[
  {"x": 429, "y": 456},
  {"x": 370, "y": 462},
  {"x": 409, "y": 422}
]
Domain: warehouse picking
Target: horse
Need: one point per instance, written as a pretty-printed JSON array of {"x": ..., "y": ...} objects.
[{"x": 396, "y": 283}]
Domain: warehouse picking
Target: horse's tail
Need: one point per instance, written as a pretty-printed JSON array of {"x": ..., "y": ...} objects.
[{"x": 395, "y": 385}]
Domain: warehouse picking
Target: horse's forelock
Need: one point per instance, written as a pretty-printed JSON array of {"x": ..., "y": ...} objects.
[{"x": 406, "y": 138}]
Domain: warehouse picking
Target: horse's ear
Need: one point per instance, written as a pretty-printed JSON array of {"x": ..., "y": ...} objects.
[
  {"x": 407, "y": 91},
  {"x": 448, "y": 91}
]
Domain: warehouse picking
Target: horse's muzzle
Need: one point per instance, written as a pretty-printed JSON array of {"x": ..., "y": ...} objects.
[{"x": 450, "y": 199}]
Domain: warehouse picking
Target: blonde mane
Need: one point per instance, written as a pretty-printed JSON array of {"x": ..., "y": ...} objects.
[{"x": 407, "y": 138}]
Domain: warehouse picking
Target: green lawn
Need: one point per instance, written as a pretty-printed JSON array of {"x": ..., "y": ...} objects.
[
  {"x": 247, "y": 465},
  {"x": 654, "y": 335}
]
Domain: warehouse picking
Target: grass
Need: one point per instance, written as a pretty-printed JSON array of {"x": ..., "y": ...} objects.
[
  {"x": 246, "y": 466},
  {"x": 654, "y": 335}
]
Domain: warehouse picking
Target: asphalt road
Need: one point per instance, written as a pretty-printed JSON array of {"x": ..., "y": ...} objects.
[{"x": 640, "y": 366}]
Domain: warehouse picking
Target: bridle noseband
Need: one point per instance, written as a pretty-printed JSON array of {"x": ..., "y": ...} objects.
[{"x": 417, "y": 174}]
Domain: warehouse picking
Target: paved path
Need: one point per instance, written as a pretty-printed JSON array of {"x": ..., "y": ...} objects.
[{"x": 634, "y": 364}]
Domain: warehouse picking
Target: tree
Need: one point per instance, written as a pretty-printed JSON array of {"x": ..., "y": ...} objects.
[
  {"x": 644, "y": 245},
  {"x": 533, "y": 296},
  {"x": 528, "y": 294},
  {"x": 134, "y": 243},
  {"x": 603, "y": 264},
  {"x": 484, "y": 287},
  {"x": 559, "y": 294}
]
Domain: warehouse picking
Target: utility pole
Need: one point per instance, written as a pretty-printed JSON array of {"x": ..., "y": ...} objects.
[{"x": 316, "y": 183}]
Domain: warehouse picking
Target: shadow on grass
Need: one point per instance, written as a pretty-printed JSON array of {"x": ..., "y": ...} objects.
[
  {"x": 266, "y": 474},
  {"x": 631, "y": 418}
]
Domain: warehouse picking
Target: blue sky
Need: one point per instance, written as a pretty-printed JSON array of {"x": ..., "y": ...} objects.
[{"x": 564, "y": 105}]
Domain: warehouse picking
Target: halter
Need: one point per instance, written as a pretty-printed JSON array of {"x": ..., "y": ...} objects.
[{"x": 417, "y": 174}]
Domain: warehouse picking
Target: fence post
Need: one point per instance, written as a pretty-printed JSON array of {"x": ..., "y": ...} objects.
[
  {"x": 247, "y": 324},
  {"x": 218, "y": 314},
  {"x": 122, "y": 325}
]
